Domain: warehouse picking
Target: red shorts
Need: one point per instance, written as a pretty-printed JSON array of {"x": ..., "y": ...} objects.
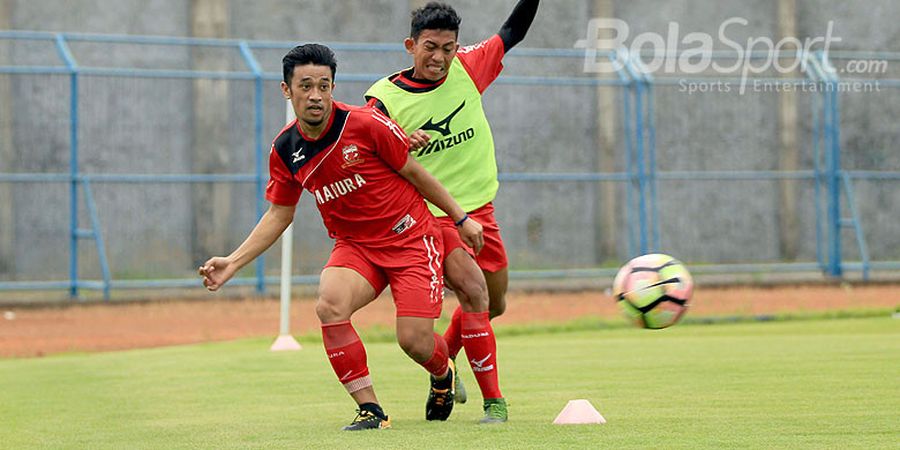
[
  {"x": 413, "y": 267},
  {"x": 493, "y": 256}
]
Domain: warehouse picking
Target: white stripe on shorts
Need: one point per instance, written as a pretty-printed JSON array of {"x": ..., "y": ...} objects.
[{"x": 434, "y": 263}]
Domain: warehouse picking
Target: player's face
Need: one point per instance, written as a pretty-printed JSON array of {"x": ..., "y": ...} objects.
[
  {"x": 310, "y": 94},
  {"x": 432, "y": 52}
]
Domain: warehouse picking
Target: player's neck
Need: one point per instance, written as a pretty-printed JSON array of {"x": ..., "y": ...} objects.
[{"x": 313, "y": 132}]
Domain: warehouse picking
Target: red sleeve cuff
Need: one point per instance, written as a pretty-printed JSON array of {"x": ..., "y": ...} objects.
[{"x": 281, "y": 194}]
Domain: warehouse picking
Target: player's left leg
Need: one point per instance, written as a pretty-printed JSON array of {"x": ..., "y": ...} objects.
[
  {"x": 342, "y": 292},
  {"x": 348, "y": 283}
]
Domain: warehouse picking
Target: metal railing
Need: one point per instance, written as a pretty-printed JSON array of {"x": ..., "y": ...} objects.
[{"x": 641, "y": 175}]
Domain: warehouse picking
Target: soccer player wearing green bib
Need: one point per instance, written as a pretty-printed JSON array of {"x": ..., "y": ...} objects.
[{"x": 438, "y": 101}]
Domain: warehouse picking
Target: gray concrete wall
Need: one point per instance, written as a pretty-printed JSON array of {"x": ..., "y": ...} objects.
[
  {"x": 154, "y": 126},
  {"x": 7, "y": 208},
  {"x": 211, "y": 202}
]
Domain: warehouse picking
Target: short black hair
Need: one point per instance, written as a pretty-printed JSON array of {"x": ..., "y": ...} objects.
[
  {"x": 434, "y": 16},
  {"x": 301, "y": 55}
]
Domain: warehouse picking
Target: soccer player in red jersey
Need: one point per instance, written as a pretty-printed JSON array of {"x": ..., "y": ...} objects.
[
  {"x": 438, "y": 101},
  {"x": 354, "y": 161}
]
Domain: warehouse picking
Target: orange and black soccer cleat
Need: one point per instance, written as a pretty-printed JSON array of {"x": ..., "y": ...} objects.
[
  {"x": 365, "y": 420},
  {"x": 440, "y": 397}
]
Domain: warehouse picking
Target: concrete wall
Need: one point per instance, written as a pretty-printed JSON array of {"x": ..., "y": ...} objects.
[
  {"x": 7, "y": 208},
  {"x": 158, "y": 126}
]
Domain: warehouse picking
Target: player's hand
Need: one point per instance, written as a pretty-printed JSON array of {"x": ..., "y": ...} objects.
[
  {"x": 418, "y": 139},
  {"x": 472, "y": 234},
  {"x": 216, "y": 272}
]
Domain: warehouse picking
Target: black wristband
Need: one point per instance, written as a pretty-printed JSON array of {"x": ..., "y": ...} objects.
[{"x": 463, "y": 220}]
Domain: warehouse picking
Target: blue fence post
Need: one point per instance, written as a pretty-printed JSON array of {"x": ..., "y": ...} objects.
[
  {"x": 821, "y": 133},
  {"x": 251, "y": 61},
  {"x": 627, "y": 91},
  {"x": 651, "y": 151},
  {"x": 625, "y": 84},
  {"x": 641, "y": 164},
  {"x": 639, "y": 87},
  {"x": 833, "y": 165},
  {"x": 97, "y": 235},
  {"x": 63, "y": 49},
  {"x": 817, "y": 103},
  {"x": 835, "y": 183},
  {"x": 834, "y": 189}
]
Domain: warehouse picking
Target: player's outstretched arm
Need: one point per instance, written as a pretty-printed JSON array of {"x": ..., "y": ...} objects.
[
  {"x": 469, "y": 230},
  {"x": 218, "y": 270},
  {"x": 513, "y": 31}
]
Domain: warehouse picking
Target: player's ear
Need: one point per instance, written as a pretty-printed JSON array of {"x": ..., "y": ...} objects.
[
  {"x": 285, "y": 90},
  {"x": 410, "y": 44}
]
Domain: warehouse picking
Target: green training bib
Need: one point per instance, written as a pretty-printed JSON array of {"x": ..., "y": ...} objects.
[{"x": 460, "y": 153}]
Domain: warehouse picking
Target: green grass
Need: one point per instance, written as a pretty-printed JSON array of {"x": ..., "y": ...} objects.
[{"x": 784, "y": 384}]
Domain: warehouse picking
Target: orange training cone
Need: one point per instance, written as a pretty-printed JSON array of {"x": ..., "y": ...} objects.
[{"x": 579, "y": 412}]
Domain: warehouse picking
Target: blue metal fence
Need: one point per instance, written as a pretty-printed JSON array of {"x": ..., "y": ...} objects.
[{"x": 641, "y": 175}]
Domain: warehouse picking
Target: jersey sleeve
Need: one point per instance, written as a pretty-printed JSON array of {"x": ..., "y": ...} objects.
[
  {"x": 374, "y": 102},
  {"x": 389, "y": 141},
  {"x": 483, "y": 61},
  {"x": 282, "y": 188}
]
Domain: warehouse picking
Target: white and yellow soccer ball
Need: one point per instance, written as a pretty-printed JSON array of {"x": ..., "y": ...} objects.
[{"x": 653, "y": 290}]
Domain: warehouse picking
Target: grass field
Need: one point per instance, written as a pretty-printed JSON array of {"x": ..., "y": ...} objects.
[{"x": 786, "y": 384}]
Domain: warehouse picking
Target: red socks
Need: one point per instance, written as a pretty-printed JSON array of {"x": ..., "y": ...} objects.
[
  {"x": 347, "y": 355},
  {"x": 477, "y": 337},
  {"x": 452, "y": 335},
  {"x": 437, "y": 364}
]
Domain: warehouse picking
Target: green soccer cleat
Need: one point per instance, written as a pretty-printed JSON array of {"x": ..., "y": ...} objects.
[
  {"x": 460, "y": 396},
  {"x": 367, "y": 421},
  {"x": 494, "y": 411},
  {"x": 440, "y": 398}
]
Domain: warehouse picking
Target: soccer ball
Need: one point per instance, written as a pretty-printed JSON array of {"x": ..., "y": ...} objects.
[{"x": 653, "y": 290}]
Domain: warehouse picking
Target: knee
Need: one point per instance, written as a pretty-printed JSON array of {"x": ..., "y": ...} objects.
[
  {"x": 415, "y": 343},
  {"x": 472, "y": 292},
  {"x": 328, "y": 310}
]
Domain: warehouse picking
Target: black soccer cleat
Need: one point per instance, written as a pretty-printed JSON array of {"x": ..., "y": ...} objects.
[
  {"x": 440, "y": 397},
  {"x": 365, "y": 420}
]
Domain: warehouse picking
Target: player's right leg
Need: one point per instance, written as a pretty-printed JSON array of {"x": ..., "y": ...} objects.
[
  {"x": 475, "y": 328},
  {"x": 470, "y": 325},
  {"x": 343, "y": 291},
  {"x": 463, "y": 275}
]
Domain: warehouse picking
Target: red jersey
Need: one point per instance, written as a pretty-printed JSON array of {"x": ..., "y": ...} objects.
[{"x": 352, "y": 172}]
